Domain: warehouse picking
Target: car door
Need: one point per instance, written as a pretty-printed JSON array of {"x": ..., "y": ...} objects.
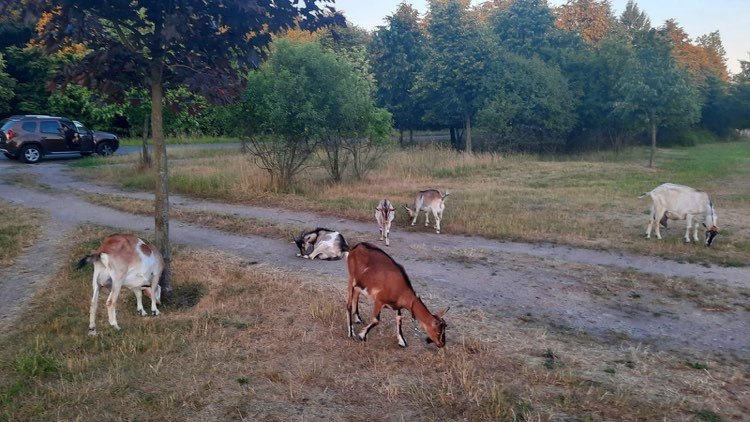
[
  {"x": 52, "y": 137},
  {"x": 85, "y": 137}
]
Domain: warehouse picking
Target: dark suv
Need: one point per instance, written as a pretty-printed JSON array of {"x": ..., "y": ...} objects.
[{"x": 31, "y": 137}]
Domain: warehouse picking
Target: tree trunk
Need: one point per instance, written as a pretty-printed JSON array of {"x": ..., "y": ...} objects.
[
  {"x": 161, "y": 194},
  {"x": 401, "y": 138},
  {"x": 467, "y": 125},
  {"x": 411, "y": 136},
  {"x": 145, "y": 157},
  {"x": 653, "y": 144}
]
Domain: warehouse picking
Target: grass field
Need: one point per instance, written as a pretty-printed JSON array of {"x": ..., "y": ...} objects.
[
  {"x": 264, "y": 344},
  {"x": 21, "y": 228},
  {"x": 588, "y": 200}
]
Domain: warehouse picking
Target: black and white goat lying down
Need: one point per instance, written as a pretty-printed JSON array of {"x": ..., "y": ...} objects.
[{"x": 322, "y": 244}]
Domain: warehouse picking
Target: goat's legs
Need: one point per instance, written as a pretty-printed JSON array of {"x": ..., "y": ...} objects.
[
  {"x": 437, "y": 220},
  {"x": 375, "y": 320},
  {"x": 92, "y": 308},
  {"x": 352, "y": 304},
  {"x": 112, "y": 303},
  {"x": 653, "y": 222},
  {"x": 139, "y": 301},
  {"x": 399, "y": 333},
  {"x": 690, "y": 222}
]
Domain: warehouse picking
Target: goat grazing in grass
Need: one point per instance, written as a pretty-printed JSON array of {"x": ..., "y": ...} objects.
[
  {"x": 124, "y": 260},
  {"x": 374, "y": 273},
  {"x": 678, "y": 202}
]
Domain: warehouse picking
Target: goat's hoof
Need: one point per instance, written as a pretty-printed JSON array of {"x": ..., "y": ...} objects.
[
  {"x": 92, "y": 331},
  {"x": 155, "y": 313}
]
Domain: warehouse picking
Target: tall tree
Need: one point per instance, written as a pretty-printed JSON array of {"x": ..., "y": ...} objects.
[
  {"x": 634, "y": 20},
  {"x": 32, "y": 71},
  {"x": 198, "y": 43},
  {"x": 657, "y": 89},
  {"x": 397, "y": 52},
  {"x": 304, "y": 97},
  {"x": 6, "y": 87},
  {"x": 601, "y": 108},
  {"x": 450, "y": 82},
  {"x": 591, "y": 19},
  {"x": 739, "y": 97},
  {"x": 525, "y": 27},
  {"x": 701, "y": 61}
]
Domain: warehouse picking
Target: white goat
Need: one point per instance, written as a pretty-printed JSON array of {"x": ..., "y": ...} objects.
[
  {"x": 678, "y": 202},
  {"x": 384, "y": 214},
  {"x": 429, "y": 201},
  {"x": 124, "y": 260}
]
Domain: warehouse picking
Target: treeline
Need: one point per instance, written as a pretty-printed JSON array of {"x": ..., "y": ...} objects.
[
  {"x": 504, "y": 75},
  {"x": 523, "y": 75}
]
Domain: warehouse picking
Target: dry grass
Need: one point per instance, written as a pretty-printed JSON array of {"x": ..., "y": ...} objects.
[
  {"x": 19, "y": 229},
  {"x": 225, "y": 222},
  {"x": 589, "y": 201},
  {"x": 264, "y": 344}
]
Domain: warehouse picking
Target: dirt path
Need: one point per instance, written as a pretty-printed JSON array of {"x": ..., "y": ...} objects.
[{"x": 557, "y": 287}]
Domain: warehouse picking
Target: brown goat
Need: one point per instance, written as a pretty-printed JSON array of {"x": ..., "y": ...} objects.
[{"x": 374, "y": 273}]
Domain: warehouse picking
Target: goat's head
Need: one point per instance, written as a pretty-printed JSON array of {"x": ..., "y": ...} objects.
[
  {"x": 409, "y": 210},
  {"x": 436, "y": 329},
  {"x": 711, "y": 233},
  {"x": 304, "y": 247}
]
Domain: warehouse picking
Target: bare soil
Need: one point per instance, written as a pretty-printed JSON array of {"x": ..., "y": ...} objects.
[{"x": 610, "y": 296}]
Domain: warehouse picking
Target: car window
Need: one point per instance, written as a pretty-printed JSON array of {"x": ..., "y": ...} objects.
[
  {"x": 7, "y": 124},
  {"x": 29, "y": 126},
  {"x": 81, "y": 127},
  {"x": 49, "y": 127}
]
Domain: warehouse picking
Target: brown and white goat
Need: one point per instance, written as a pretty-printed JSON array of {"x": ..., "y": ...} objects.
[
  {"x": 429, "y": 201},
  {"x": 678, "y": 202},
  {"x": 374, "y": 273},
  {"x": 384, "y": 214},
  {"x": 124, "y": 260}
]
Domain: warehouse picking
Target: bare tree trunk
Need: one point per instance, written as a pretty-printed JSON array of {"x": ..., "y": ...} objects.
[
  {"x": 467, "y": 124},
  {"x": 653, "y": 144},
  {"x": 161, "y": 194},
  {"x": 145, "y": 157},
  {"x": 401, "y": 138}
]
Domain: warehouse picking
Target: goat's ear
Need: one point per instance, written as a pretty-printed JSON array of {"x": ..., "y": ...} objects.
[{"x": 441, "y": 313}]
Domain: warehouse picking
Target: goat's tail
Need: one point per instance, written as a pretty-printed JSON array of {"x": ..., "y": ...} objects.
[
  {"x": 87, "y": 260},
  {"x": 445, "y": 194},
  {"x": 644, "y": 194}
]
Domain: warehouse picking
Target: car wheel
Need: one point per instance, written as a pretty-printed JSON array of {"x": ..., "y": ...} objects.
[
  {"x": 31, "y": 154},
  {"x": 12, "y": 157},
  {"x": 104, "y": 149}
]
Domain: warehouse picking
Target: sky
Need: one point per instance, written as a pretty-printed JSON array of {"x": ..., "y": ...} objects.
[{"x": 696, "y": 17}]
